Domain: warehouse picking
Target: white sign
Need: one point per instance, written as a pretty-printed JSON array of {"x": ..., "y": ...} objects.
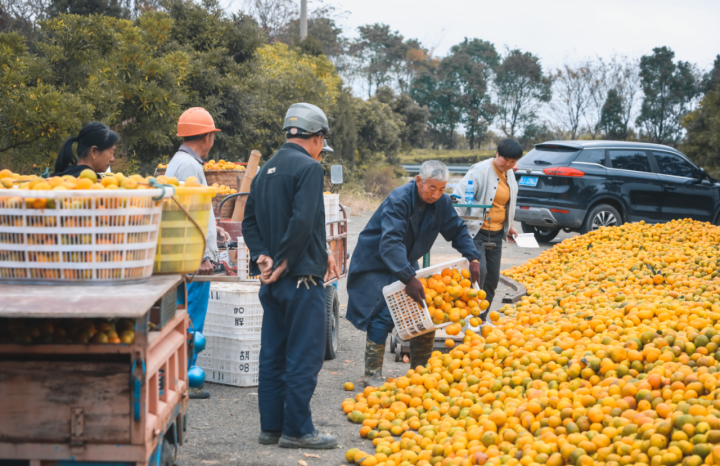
[{"x": 526, "y": 240}]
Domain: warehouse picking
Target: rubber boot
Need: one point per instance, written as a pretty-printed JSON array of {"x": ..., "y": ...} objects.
[
  {"x": 374, "y": 355},
  {"x": 421, "y": 349}
]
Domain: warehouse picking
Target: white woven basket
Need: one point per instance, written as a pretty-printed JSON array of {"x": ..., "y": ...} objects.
[{"x": 80, "y": 237}]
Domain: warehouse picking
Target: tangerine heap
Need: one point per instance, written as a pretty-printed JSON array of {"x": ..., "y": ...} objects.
[
  {"x": 611, "y": 359},
  {"x": 450, "y": 298}
]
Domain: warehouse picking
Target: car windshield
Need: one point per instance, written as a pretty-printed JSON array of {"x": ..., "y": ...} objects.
[{"x": 549, "y": 155}]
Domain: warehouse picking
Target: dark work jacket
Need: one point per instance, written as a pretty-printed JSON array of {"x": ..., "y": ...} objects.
[
  {"x": 285, "y": 214},
  {"x": 387, "y": 251}
]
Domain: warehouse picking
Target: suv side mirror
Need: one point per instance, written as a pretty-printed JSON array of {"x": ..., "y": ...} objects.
[{"x": 336, "y": 174}]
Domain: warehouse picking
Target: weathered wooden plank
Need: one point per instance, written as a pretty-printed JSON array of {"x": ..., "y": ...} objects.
[
  {"x": 36, "y": 398},
  {"x": 132, "y": 300},
  {"x": 43, "y": 451}
]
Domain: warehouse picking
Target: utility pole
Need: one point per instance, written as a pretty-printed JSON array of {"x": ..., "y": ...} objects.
[{"x": 303, "y": 19}]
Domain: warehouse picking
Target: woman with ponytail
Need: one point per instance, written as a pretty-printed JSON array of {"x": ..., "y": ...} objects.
[{"x": 95, "y": 148}]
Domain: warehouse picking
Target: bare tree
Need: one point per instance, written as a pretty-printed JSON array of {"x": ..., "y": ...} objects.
[
  {"x": 22, "y": 16},
  {"x": 272, "y": 15},
  {"x": 571, "y": 97},
  {"x": 598, "y": 86},
  {"x": 520, "y": 88},
  {"x": 625, "y": 79}
]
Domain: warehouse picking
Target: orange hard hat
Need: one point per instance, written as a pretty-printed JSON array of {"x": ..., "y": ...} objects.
[{"x": 195, "y": 121}]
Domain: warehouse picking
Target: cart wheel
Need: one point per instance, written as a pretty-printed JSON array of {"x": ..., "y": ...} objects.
[
  {"x": 167, "y": 457},
  {"x": 332, "y": 309},
  {"x": 398, "y": 352},
  {"x": 393, "y": 343}
]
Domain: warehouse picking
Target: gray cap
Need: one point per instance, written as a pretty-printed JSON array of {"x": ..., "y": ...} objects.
[{"x": 305, "y": 118}]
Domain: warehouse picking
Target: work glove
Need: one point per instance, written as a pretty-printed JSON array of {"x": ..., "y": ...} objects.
[
  {"x": 475, "y": 272},
  {"x": 415, "y": 290}
]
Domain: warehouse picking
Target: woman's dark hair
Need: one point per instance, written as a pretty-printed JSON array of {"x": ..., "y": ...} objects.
[
  {"x": 510, "y": 149},
  {"x": 92, "y": 134}
]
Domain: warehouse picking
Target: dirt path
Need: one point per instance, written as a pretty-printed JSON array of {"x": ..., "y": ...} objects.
[{"x": 223, "y": 430}]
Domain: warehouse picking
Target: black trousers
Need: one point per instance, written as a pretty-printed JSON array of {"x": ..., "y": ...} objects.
[{"x": 489, "y": 263}]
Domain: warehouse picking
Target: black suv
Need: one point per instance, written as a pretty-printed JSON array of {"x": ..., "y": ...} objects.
[{"x": 583, "y": 185}]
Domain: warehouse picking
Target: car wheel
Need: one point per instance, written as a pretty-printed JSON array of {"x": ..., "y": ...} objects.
[
  {"x": 602, "y": 215},
  {"x": 332, "y": 310},
  {"x": 542, "y": 234}
]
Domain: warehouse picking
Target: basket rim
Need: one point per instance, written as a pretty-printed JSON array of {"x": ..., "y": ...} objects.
[{"x": 89, "y": 194}]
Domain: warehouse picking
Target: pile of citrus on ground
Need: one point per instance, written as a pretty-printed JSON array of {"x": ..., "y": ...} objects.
[
  {"x": 451, "y": 298},
  {"x": 611, "y": 359}
]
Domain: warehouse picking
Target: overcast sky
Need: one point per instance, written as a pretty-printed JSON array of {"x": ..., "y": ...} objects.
[{"x": 555, "y": 30}]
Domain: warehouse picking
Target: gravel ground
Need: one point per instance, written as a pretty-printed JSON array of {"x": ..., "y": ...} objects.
[{"x": 223, "y": 430}]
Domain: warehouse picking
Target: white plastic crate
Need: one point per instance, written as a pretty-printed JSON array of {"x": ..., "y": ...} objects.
[
  {"x": 332, "y": 207},
  {"x": 232, "y": 349},
  {"x": 222, "y": 321},
  {"x": 82, "y": 237},
  {"x": 243, "y": 263},
  {"x": 410, "y": 320},
  {"x": 234, "y": 293},
  {"x": 234, "y": 311},
  {"x": 245, "y": 376}
]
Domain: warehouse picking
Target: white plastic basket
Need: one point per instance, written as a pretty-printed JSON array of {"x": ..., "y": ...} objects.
[
  {"x": 235, "y": 379},
  {"x": 232, "y": 349},
  {"x": 234, "y": 311},
  {"x": 332, "y": 207},
  {"x": 82, "y": 237},
  {"x": 243, "y": 263},
  {"x": 233, "y": 319},
  {"x": 409, "y": 319},
  {"x": 234, "y": 293}
]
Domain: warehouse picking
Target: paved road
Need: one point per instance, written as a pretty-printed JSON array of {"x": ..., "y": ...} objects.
[{"x": 224, "y": 429}]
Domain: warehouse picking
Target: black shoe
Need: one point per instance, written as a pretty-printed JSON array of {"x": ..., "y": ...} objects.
[
  {"x": 268, "y": 437},
  {"x": 198, "y": 394},
  {"x": 313, "y": 440}
]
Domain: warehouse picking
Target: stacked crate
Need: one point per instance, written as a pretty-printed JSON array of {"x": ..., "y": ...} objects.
[
  {"x": 232, "y": 333},
  {"x": 332, "y": 211}
]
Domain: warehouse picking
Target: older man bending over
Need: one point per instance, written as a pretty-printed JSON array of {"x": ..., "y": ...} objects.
[{"x": 401, "y": 231}]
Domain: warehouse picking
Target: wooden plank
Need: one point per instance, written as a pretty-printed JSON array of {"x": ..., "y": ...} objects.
[
  {"x": 66, "y": 349},
  {"x": 175, "y": 325},
  {"x": 36, "y": 399},
  {"x": 131, "y": 301},
  {"x": 45, "y": 451}
]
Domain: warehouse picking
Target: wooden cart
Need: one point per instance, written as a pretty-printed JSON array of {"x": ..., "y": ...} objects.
[{"x": 95, "y": 404}]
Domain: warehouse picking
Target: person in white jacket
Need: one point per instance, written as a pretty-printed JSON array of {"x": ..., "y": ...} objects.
[{"x": 494, "y": 184}]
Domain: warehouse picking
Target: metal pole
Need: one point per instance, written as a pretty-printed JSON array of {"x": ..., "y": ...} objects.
[{"x": 303, "y": 19}]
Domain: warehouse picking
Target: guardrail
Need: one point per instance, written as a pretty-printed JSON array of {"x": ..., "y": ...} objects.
[{"x": 414, "y": 168}]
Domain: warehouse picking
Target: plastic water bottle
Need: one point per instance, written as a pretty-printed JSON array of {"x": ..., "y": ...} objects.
[{"x": 469, "y": 193}]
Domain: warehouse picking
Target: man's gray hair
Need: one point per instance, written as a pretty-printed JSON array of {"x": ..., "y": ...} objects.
[{"x": 434, "y": 169}]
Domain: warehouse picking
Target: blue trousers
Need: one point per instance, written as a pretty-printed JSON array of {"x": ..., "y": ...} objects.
[
  {"x": 292, "y": 352},
  {"x": 198, "y": 299},
  {"x": 381, "y": 325}
]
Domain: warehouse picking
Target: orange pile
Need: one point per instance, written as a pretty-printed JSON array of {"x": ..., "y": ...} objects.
[
  {"x": 222, "y": 189},
  {"x": 222, "y": 165},
  {"x": 450, "y": 298},
  {"x": 613, "y": 358},
  {"x": 67, "y": 331}
]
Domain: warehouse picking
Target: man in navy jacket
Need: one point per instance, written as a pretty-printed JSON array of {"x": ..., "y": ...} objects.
[
  {"x": 401, "y": 231},
  {"x": 284, "y": 228}
]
